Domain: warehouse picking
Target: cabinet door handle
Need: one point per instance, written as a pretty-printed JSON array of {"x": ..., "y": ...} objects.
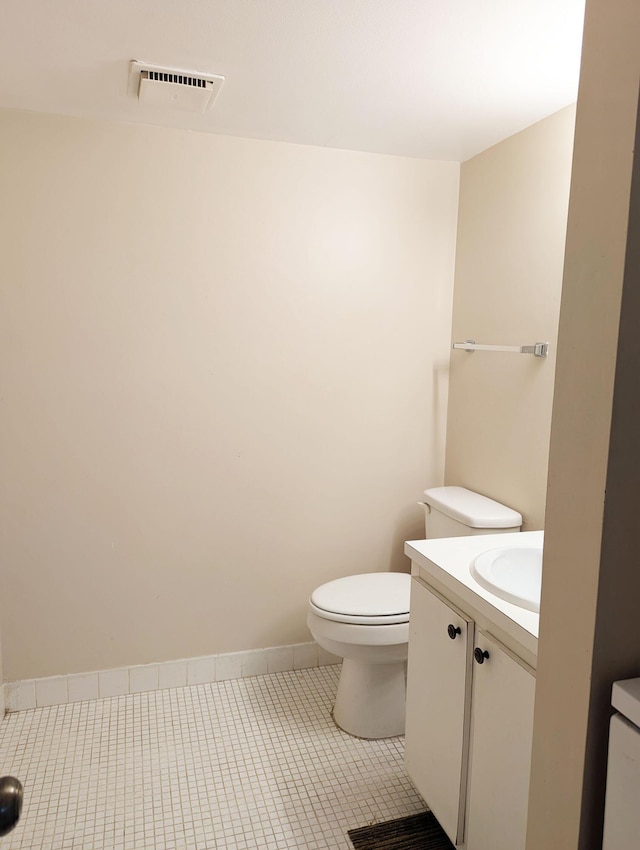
[
  {"x": 479, "y": 655},
  {"x": 453, "y": 631}
]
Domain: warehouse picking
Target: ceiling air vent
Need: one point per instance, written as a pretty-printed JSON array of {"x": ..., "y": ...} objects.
[{"x": 172, "y": 88}]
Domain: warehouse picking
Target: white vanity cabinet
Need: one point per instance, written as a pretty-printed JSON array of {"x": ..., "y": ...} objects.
[
  {"x": 503, "y": 694},
  {"x": 437, "y": 719},
  {"x": 469, "y": 725}
]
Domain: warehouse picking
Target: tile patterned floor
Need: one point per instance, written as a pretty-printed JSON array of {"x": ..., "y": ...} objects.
[{"x": 241, "y": 764}]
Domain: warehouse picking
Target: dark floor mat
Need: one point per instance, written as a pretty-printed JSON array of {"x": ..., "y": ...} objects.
[{"x": 416, "y": 832}]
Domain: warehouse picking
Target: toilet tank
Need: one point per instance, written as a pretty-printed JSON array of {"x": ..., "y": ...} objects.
[{"x": 458, "y": 512}]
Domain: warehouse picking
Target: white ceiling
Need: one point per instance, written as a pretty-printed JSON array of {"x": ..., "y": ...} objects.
[{"x": 441, "y": 79}]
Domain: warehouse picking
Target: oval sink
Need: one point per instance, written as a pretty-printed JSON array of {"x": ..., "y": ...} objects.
[{"x": 514, "y": 574}]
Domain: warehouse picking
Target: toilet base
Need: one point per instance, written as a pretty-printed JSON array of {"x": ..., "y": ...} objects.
[{"x": 370, "y": 701}]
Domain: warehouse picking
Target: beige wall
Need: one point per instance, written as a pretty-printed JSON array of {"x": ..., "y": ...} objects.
[
  {"x": 511, "y": 237},
  {"x": 224, "y": 383},
  {"x": 589, "y": 615}
]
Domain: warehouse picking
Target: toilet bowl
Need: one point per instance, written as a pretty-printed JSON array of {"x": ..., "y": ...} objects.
[{"x": 364, "y": 618}]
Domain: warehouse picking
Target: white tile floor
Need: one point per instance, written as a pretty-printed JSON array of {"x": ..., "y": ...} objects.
[{"x": 246, "y": 763}]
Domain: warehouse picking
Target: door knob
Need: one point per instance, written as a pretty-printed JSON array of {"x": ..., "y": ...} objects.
[
  {"x": 453, "y": 631},
  {"x": 10, "y": 803},
  {"x": 479, "y": 655}
]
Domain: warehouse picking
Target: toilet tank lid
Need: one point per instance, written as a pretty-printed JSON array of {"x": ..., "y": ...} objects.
[
  {"x": 625, "y": 697},
  {"x": 471, "y": 508}
]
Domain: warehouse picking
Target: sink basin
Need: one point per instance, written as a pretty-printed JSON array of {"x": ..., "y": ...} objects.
[{"x": 514, "y": 574}]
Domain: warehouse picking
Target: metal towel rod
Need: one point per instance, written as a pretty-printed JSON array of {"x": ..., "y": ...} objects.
[{"x": 538, "y": 349}]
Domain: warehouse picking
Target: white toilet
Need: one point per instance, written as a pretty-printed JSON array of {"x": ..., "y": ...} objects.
[{"x": 364, "y": 618}]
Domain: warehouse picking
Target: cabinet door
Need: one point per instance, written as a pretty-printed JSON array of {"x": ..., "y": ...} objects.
[
  {"x": 438, "y": 699},
  {"x": 501, "y": 734}
]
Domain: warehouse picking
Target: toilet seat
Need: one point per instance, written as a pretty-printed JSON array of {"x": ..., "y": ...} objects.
[{"x": 372, "y": 599}]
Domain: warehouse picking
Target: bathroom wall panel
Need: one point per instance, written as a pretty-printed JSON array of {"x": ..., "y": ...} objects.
[
  {"x": 589, "y": 609},
  {"x": 224, "y": 383},
  {"x": 509, "y": 259}
]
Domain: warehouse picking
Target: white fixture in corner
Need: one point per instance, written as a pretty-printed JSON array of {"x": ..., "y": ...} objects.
[
  {"x": 173, "y": 88},
  {"x": 364, "y": 618}
]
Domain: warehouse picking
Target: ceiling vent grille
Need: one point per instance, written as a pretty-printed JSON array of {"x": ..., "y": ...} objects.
[
  {"x": 164, "y": 77},
  {"x": 172, "y": 88}
]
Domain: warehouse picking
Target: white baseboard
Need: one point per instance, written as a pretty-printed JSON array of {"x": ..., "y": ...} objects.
[{"x": 78, "y": 687}]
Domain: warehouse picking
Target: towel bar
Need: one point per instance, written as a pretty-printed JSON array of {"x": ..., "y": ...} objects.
[{"x": 538, "y": 349}]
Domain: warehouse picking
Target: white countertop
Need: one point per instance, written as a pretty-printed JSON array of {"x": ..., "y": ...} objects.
[{"x": 447, "y": 560}]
